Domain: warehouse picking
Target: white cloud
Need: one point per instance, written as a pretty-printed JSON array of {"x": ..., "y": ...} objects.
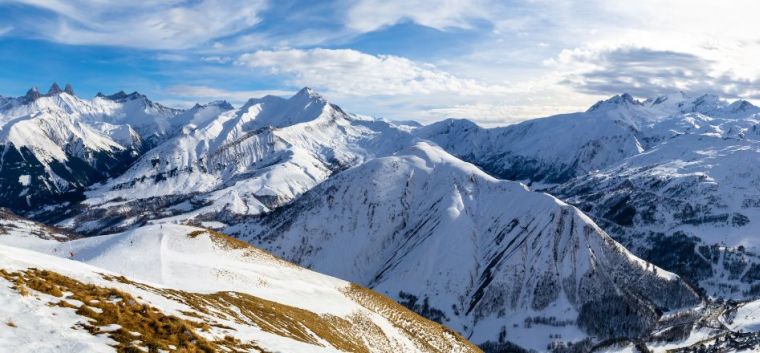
[
  {"x": 724, "y": 34},
  {"x": 5, "y": 29},
  {"x": 209, "y": 93},
  {"x": 399, "y": 88},
  {"x": 171, "y": 57},
  {"x": 349, "y": 72},
  {"x": 217, "y": 59},
  {"x": 568, "y": 52},
  {"x": 370, "y": 15},
  {"x": 152, "y": 24},
  {"x": 526, "y": 58}
]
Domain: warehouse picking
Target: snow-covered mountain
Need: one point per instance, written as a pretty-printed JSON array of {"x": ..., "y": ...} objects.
[
  {"x": 671, "y": 172},
  {"x": 478, "y": 254},
  {"x": 551, "y": 149},
  {"x": 239, "y": 162},
  {"x": 179, "y": 288},
  {"x": 18, "y": 230},
  {"x": 53, "y": 145},
  {"x": 383, "y": 204},
  {"x": 698, "y": 190},
  {"x": 557, "y": 148}
]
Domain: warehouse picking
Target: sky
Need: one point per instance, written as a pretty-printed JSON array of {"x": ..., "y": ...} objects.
[{"x": 494, "y": 62}]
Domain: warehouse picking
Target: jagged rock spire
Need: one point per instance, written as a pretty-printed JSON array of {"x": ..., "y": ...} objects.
[
  {"x": 54, "y": 89},
  {"x": 68, "y": 89},
  {"x": 32, "y": 94}
]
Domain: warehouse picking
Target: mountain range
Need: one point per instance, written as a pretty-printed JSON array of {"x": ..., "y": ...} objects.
[{"x": 621, "y": 227}]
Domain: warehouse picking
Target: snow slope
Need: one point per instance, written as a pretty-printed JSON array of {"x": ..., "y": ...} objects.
[
  {"x": 15, "y": 230},
  {"x": 550, "y": 149},
  {"x": 671, "y": 172},
  {"x": 478, "y": 254},
  {"x": 228, "y": 294}
]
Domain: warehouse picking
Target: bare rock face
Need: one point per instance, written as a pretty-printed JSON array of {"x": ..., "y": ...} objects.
[
  {"x": 32, "y": 94},
  {"x": 68, "y": 89},
  {"x": 54, "y": 89}
]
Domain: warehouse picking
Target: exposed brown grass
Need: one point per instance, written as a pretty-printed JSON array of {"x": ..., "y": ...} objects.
[
  {"x": 356, "y": 333},
  {"x": 194, "y": 234},
  {"x": 428, "y": 335},
  {"x": 279, "y": 319},
  {"x": 138, "y": 322},
  {"x": 150, "y": 328},
  {"x": 226, "y": 242},
  {"x": 220, "y": 239},
  {"x": 10, "y": 323}
]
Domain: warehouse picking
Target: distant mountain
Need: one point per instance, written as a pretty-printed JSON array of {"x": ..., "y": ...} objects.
[
  {"x": 697, "y": 190},
  {"x": 558, "y": 148},
  {"x": 673, "y": 172},
  {"x": 480, "y": 255},
  {"x": 234, "y": 163},
  {"x": 54, "y": 145}
]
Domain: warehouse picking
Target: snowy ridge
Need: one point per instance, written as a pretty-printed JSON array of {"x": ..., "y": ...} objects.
[
  {"x": 15, "y": 230},
  {"x": 242, "y": 162},
  {"x": 557, "y": 148},
  {"x": 473, "y": 252},
  {"x": 58, "y": 143},
  {"x": 698, "y": 189},
  {"x": 229, "y": 296},
  {"x": 675, "y": 171}
]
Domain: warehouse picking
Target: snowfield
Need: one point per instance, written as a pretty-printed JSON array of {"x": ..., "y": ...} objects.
[{"x": 213, "y": 281}]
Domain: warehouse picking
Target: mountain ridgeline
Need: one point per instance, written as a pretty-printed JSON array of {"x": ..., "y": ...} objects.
[
  {"x": 574, "y": 230},
  {"x": 672, "y": 172},
  {"x": 477, "y": 253},
  {"x": 54, "y": 145}
]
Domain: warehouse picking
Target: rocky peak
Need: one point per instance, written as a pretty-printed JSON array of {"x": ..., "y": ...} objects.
[
  {"x": 54, "y": 89},
  {"x": 614, "y": 101},
  {"x": 32, "y": 94}
]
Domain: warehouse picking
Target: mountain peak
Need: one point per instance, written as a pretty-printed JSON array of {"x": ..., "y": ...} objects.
[
  {"x": 307, "y": 92},
  {"x": 741, "y": 105},
  {"x": 32, "y": 94},
  {"x": 54, "y": 89},
  {"x": 223, "y": 104},
  {"x": 122, "y": 96},
  {"x": 69, "y": 89},
  {"x": 673, "y": 98},
  {"x": 616, "y": 100}
]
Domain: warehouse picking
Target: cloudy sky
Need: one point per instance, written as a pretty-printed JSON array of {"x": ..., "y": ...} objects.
[{"x": 496, "y": 62}]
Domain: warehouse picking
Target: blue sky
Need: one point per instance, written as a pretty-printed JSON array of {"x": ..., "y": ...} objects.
[{"x": 496, "y": 62}]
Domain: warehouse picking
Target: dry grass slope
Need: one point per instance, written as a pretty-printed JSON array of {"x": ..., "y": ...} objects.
[
  {"x": 226, "y": 242},
  {"x": 356, "y": 333},
  {"x": 142, "y": 326},
  {"x": 428, "y": 335}
]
